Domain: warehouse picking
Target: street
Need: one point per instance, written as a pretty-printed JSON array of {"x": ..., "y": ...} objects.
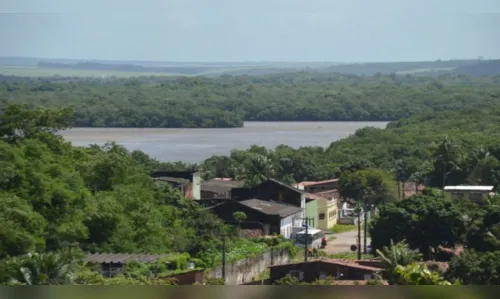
[{"x": 343, "y": 242}]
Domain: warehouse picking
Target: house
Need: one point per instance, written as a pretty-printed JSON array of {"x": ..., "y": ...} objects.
[
  {"x": 319, "y": 186},
  {"x": 269, "y": 216},
  {"x": 219, "y": 188},
  {"x": 274, "y": 190},
  {"x": 338, "y": 269},
  {"x": 327, "y": 206},
  {"x": 187, "y": 182},
  {"x": 478, "y": 194},
  {"x": 327, "y": 195}
]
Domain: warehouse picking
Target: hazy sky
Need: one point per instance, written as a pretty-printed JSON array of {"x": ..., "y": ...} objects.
[{"x": 251, "y": 30}]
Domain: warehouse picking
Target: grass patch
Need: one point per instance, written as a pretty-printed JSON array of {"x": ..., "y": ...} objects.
[{"x": 342, "y": 228}]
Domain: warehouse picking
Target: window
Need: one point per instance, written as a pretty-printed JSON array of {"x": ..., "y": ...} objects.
[
  {"x": 457, "y": 195},
  {"x": 297, "y": 274},
  {"x": 321, "y": 216},
  {"x": 368, "y": 276}
]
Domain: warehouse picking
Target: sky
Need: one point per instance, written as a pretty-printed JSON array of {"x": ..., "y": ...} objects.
[{"x": 251, "y": 30}]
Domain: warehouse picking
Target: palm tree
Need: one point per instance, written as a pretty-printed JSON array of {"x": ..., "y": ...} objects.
[
  {"x": 399, "y": 254},
  {"x": 482, "y": 167},
  {"x": 256, "y": 170},
  {"x": 43, "y": 269},
  {"x": 447, "y": 157}
]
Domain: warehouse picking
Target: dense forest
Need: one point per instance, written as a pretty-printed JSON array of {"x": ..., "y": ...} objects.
[{"x": 229, "y": 100}]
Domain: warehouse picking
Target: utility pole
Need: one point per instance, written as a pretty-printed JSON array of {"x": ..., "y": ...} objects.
[
  {"x": 358, "y": 209},
  {"x": 366, "y": 227},
  {"x": 224, "y": 258},
  {"x": 306, "y": 251}
]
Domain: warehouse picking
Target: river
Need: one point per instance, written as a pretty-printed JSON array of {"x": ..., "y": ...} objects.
[{"x": 195, "y": 145}]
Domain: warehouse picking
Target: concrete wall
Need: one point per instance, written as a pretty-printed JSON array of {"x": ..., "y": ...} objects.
[
  {"x": 287, "y": 224},
  {"x": 329, "y": 208},
  {"x": 312, "y": 212},
  {"x": 248, "y": 270}
]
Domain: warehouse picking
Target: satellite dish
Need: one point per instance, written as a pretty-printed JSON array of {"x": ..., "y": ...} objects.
[{"x": 354, "y": 248}]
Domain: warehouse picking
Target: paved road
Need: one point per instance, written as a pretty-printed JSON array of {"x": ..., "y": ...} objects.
[{"x": 343, "y": 242}]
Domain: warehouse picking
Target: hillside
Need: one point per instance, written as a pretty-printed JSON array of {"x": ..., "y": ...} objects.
[{"x": 482, "y": 68}]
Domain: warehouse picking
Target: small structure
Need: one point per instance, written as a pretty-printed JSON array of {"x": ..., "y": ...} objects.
[
  {"x": 113, "y": 263},
  {"x": 477, "y": 194},
  {"x": 187, "y": 182},
  {"x": 274, "y": 190},
  {"x": 269, "y": 216},
  {"x": 338, "y": 269}
]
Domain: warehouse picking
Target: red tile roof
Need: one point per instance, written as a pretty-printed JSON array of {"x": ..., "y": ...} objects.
[
  {"x": 350, "y": 263},
  {"x": 339, "y": 262}
]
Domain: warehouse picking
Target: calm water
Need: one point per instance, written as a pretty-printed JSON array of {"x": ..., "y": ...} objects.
[{"x": 194, "y": 145}]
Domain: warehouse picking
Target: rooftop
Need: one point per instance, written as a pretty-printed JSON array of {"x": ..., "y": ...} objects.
[
  {"x": 219, "y": 186},
  {"x": 171, "y": 180},
  {"x": 121, "y": 258},
  {"x": 271, "y": 207},
  {"x": 339, "y": 262},
  {"x": 312, "y": 183},
  {"x": 468, "y": 188}
]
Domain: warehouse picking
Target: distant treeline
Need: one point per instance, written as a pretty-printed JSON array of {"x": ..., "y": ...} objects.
[
  {"x": 125, "y": 68},
  {"x": 227, "y": 101},
  {"x": 466, "y": 67}
]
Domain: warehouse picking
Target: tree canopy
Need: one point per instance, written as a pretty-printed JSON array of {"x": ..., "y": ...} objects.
[{"x": 227, "y": 101}]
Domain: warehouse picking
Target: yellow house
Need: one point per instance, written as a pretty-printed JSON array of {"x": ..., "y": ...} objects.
[
  {"x": 326, "y": 194},
  {"x": 327, "y": 208},
  {"x": 477, "y": 194}
]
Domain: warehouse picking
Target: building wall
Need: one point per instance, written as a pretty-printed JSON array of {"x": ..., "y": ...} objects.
[
  {"x": 289, "y": 222},
  {"x": 248, "y": 270},
  {"x": 312, "y": 212},
  {"x": 225, "y": 212},
  {"x": 196, "y": 186},
  {"x": 189, "y": 278},
  {"x": 312, "y": 271},
  {"x": 479, "y": 197},
  {"x": 330, "y": 211}
]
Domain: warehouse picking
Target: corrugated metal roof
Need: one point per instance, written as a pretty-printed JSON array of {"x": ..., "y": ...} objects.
[
  {"x": 271, "y": 208},
  {"x": 468, "y": 188},
  {"x": 121, "y": 258}
]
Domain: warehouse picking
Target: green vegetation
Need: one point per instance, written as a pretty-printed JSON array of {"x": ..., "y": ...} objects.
[
  {"x": 227, "y": 101},
  {"x": 58, "y": 199},
  {"x": 342, "y": 228},
  {"x": 101, "y": 199}
]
